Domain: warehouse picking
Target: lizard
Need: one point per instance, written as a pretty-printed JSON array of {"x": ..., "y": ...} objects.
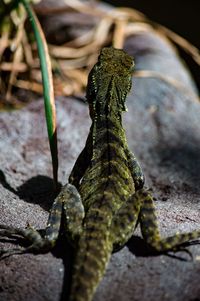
[{"x": 105, "y": 197}]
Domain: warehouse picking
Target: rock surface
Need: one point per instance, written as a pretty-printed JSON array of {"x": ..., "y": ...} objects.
[{"x": 163, "y": 130}]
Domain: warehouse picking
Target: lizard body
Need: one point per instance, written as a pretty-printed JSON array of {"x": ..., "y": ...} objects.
[
  {"x": 107, "y": 181},
  {"x": 104, "y": 199}
]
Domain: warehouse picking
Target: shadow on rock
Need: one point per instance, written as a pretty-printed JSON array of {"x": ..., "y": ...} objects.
[
  {"x": 65, "y": 251},
  {"x": 37, "y": 190}
]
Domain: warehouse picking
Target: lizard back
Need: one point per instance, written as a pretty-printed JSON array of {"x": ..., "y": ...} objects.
[{"x": 107, "y": 182}]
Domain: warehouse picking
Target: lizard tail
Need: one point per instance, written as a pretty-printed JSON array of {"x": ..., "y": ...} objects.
[{"x": 94, "y": 251}]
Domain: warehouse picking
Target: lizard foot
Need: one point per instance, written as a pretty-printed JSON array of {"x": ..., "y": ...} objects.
[
  {"x": 38, "y": 244},
  {"x": 173, "y": 254},
  {"x": 182, "y": 248}
]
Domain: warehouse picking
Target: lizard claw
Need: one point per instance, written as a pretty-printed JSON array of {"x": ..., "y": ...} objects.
[
  {"x": 15, "y": 233},
  {"x": 37, "y": 242},
  {"x": 10, "y": 232},
  {"x": 183, "y": 249},
  {"x": 10, "y": 252}
]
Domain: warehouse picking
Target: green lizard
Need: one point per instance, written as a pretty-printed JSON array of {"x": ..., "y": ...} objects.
[{"x": 105, "y": 198}]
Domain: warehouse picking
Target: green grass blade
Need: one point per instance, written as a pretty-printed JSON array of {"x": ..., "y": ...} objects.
[{"x": 47, "y": 80}]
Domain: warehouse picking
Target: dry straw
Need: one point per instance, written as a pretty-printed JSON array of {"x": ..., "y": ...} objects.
[{"x": 73, "y": 59}]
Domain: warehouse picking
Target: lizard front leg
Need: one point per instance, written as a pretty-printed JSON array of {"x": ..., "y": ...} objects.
[
  {"x": 68, "y": 202},
  {"x": 150, "y": 231}
]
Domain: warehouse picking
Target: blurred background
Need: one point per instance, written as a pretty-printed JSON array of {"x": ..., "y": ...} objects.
[
  {"x": 75, "y": 32},
  {"x": 182, "y": 16}
]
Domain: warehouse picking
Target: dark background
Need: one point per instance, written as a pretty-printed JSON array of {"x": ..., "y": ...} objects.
[{"x": 182, "y": 16}]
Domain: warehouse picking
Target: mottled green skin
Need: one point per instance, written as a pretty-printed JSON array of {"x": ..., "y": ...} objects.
[
  {"x": 105, "y": 198},
  {"x": 106, "y": 179}
]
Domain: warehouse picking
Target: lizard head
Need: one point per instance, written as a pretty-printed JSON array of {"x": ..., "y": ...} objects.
[{"x": 109, "y": 82}]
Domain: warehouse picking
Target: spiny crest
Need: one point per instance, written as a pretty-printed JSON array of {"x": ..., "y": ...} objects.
[{"x": 109, "y": 82}]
